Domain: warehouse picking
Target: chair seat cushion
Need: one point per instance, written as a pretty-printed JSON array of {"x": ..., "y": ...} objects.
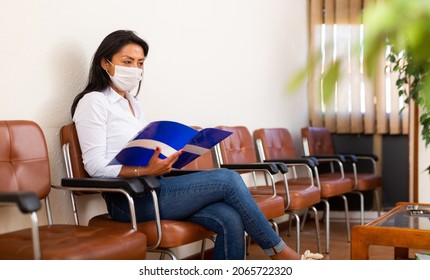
[
  {"x": 301, "y": 196},
  {"x": 75, "y": 243},
  {"x": 271, "y": 206},
  {"x": 175, "y": 233},
  {"x": 330, "y": 185},
  {"x": 335, "y": 187},
  {"x": 366, "y": 181}
]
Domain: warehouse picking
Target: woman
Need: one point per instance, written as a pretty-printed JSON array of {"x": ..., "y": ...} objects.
[{"x": 107, "y": 116}]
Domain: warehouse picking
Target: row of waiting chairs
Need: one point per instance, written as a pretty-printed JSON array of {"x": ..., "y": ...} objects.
[
  {"x": 239, "y": 148},
  {"x": 298, "y": 193},
  {"x": 157, "y": 236},
  {"x": 302, "y": 192},
  {"x": 237, "y": 152},
  {"x": 276, "y": 144}
]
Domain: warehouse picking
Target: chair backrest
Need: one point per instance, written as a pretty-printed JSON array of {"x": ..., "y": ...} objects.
[
  {"x": 317, "y": 141},
  {"x": 72, "y": 152},
  {"x": 274, "y": 143},
  {"x": 24, "y": 162},
  {"x": 238, "y": 148},
  {"x": 73, "y": 162}
]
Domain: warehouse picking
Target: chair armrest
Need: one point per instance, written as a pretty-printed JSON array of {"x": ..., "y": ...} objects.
[
  {"x": 307, "y": 164},
  {"x": 280, "y": 164},
  {"x": 269, "y": 167},
  {"x": 128, "y": 186},
  {"x": 350, "y": 157},
  {"x": 149, "y": 182},
  {"x": 340, "y": 157},
  {"x": 179, "y": 172},
  {"x": 307, "y": 161},
  {"x": 27, "y": 201},
  {"x": 369, "y": 156},
  {"x": 316, "y": 162},
  {"x": 282, "y": 167},
  {"x": 361, "y": 158},
  {"x": 136, "y": 185}
]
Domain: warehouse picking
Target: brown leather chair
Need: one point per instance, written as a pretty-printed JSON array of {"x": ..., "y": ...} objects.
[
  {"x": 162, "y": 235},
  {"x": 25, "y": 180},
  {"x": 277, "y": 144},
  {"x": 318, "y": 142},
  {"x": 239, "y": 149}
]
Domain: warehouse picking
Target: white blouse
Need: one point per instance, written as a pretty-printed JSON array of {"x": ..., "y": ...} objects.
[{"x": 105, "y": 124}]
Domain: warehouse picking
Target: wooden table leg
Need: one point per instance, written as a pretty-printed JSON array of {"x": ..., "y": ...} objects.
[{"x": 359, "y": 245}]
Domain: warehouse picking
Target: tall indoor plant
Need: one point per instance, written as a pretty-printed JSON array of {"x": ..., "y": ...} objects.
[
  {"x": 405, "y": 27},
  {"x": 411, "y": 84}
]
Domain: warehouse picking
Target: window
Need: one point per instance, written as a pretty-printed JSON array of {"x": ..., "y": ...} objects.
[{"x": 358, "y": 104}]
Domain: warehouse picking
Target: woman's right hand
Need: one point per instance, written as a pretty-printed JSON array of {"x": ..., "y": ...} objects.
[{"x": 157, "y": 166}]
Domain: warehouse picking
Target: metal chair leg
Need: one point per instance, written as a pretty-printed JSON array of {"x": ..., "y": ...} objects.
[
  {"x": 290, "y": 222},
  {"x": 348, "y": 227},
  {"x": 361, "y": 206},
  {"x": 163, "y": 253},
  {"x": 275, "y": 227},
  {"x": 305, "y": 216},
  {"x": 247, "y": 244},
  {"x": 327, "y": 225},
  {"x": 317, "y": 228},
  {"x": 202, "y": 249},
  {"x": 293, "y": 214},
  {"x": 378, "y": 201}
]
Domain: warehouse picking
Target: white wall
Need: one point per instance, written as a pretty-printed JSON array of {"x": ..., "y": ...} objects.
[{"x": 210, "y": 62}]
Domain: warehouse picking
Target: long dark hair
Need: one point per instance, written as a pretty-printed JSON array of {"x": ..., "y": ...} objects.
[{"x": 98, "y": 79}]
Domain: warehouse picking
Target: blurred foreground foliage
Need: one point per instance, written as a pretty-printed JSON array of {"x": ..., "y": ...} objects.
[{"x": 404, "y": 26}]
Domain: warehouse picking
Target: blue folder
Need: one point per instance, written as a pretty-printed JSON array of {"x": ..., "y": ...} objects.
[{"x": 170, "y": 137}]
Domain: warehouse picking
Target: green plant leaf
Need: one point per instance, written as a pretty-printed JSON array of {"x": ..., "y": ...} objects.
[
  {"x": 329, "y": 80},
  {"x": 300, "y": 76}
]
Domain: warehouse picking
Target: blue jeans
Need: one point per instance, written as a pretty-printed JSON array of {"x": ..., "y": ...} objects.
[{"x": 217, "y": 199}]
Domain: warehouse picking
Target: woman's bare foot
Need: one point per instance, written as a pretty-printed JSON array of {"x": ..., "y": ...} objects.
[{"x": 286, "y": 254}]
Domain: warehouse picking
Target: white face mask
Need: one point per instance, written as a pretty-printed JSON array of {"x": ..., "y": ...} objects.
[{"x": 126, "y": 78}]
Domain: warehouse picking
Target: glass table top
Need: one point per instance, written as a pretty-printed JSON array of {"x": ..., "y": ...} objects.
[{"x": 404, "y": 218}]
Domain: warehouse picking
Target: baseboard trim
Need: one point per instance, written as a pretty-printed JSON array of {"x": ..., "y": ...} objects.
[
  {"x": 354, "y": 216},
  {"x": 338, "y": 216}
]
